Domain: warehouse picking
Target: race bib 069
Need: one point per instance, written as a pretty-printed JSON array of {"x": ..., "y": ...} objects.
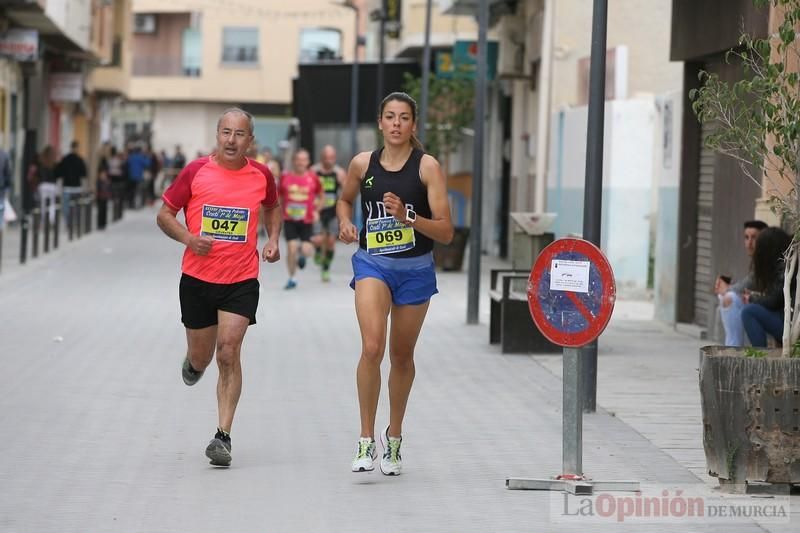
[
  {"x": 225, "y": 223},
  {"x": 388, "y": 235}
]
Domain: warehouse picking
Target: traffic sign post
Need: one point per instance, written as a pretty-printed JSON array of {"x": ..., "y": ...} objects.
[{"x": 571, "y": 294}]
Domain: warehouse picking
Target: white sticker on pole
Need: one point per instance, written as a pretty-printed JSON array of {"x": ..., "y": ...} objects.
[{"x": 569, "y": 276}]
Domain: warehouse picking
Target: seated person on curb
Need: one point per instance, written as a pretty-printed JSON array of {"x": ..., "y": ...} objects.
[
  {"x": 731, "y": 295},
  {"x": 762, "y": 313}
]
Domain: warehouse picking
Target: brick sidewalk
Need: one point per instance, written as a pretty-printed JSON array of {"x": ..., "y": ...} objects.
[{"x": 104, "y": 436}]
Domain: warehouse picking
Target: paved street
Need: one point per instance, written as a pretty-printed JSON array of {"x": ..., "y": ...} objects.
[{"x": 102, "y": 434}]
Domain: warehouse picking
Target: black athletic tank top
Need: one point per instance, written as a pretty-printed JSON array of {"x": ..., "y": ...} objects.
[
  {"x": 405, "y": 183},
  {"x": 330, "y": 185}
]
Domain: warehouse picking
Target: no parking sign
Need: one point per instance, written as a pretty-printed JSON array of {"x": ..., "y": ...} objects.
[
  {"x": 571, "y": 292},
  {"x": 571, "y": 296}
]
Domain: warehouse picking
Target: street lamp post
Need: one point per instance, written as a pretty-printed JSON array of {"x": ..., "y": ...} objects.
[
  {"x": 354, "y": 77},
  {"x": 474, "y": 274},
  {"x": 426, "y": 71},
  {"x": 593, "y": 193},
  {"x": 379, "y": 15}
]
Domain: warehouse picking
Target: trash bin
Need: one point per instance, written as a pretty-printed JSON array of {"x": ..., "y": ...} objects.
[
  {"x": 450, "y": 257},
  {"x": 530, "y": 235}
]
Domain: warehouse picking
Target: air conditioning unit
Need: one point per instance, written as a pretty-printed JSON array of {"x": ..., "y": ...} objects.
[
  {"x": 511, "y": 54},
  {"x": 144, "y": 23}
]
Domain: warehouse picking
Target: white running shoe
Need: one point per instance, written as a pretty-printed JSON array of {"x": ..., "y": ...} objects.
[
  {"x": 366, "y": 453},
  {"x": 391, "y": 462}
]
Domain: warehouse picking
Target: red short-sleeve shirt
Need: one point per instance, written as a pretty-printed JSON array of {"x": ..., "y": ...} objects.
[
  {"x": 225, "y": 205},
  {"x": 298, "y": 194}
]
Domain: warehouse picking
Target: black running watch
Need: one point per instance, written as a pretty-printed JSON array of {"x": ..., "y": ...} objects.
[{"x": 411, "y": 217}]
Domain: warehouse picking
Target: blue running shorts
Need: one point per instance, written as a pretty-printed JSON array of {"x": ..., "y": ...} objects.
[{"x": 411, "y": 280}]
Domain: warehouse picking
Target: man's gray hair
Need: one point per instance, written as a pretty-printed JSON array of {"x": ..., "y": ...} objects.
[{"x": 239, "y": 111}]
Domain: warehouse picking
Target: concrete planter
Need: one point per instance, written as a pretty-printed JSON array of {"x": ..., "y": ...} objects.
[{"x": 751, "y": 416}]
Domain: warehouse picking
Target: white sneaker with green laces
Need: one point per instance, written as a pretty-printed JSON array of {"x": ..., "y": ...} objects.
[
  {"x": 366, "y": 453},
  {"x": 391, "y": 462}
]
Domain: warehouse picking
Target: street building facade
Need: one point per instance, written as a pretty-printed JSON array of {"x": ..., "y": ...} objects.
[
  {"x": 48, "y": 48},
  {"x": 193, "y": 59},
  {"x": 715, "y": 196}
]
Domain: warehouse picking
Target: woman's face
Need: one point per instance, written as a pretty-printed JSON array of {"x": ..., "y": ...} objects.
[{"x": 397, "y": 123}]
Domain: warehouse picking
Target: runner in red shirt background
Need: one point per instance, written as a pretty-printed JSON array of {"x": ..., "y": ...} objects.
[
  {"x": 302, "y": 197},
  {"x": 222, "y": 197}
]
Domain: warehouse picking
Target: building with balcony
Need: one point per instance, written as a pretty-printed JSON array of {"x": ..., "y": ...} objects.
[
  {"x": 192, "y": 59},
  {"x": 49, "y": 49}
]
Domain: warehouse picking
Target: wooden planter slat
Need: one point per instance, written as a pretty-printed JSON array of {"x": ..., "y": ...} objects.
[{"x": 751, "y": 416}]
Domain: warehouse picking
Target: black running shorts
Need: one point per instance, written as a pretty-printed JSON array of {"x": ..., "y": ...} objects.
[
  {"x": 297, "y": 230},
  {"x": 201, "y": 300}
]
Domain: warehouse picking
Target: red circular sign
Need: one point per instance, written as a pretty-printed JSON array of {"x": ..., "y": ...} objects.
[{"x": 571, "y": 292}]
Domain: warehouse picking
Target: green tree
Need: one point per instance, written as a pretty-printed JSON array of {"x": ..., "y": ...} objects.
[
  {"x": 756, "y": 121},
  {"x": 451, "y": 105}
]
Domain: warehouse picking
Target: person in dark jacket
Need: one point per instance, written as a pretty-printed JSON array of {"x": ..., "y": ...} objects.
[
  {"x": 72, "y": 169},
  {"x": 763, "y": 313}
]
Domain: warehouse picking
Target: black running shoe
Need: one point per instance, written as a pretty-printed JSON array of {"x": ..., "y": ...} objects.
[
  {"x": 190, "y": 375},
  {"x": 219, "y": 449},
  {"x": 301, "y": 262}
]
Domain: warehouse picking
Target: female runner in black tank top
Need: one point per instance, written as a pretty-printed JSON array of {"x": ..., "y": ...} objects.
[{"x": 401, "y": 186}]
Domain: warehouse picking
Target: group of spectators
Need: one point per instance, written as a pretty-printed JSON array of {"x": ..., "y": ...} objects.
[
  {"x": 752, "y": 309},
  {"x": 129, "y": 178}
]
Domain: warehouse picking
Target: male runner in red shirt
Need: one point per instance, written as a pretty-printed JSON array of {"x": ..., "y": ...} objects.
[
  {"x": 222, "y": 197},
  {"x": 301, "y": 196}
]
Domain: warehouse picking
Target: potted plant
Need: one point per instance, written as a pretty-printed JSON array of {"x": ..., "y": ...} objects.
[
  {"x": 751, "y": 397},
  {"x": 450, "y": 111}
]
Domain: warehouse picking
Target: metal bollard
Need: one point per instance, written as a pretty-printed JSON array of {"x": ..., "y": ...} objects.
[
  {"x": 89, "y": 203},
  {"x": 23, "y": 240},
  {"x": 37, "y": 221},
  {"x": 57, "y": 224},
  {"x": 77, "y": 216},
  {"x": 46, "y": 216},
  {"x": 71, "y": 220}
]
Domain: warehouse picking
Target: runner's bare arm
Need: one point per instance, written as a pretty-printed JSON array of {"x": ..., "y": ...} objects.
[
  {"x": 272, "y": 222},
  {"x": 344, "y": 207},
  {"x": 439, "y": 227},
  {"x": 168, "y": 222}
]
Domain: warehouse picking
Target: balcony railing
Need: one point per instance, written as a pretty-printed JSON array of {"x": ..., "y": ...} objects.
[{"x": 163, "y": 66}]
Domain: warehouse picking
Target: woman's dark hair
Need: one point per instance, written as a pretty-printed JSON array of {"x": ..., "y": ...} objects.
[
  {"x": 47, "y": 157},
  {"x": 403, "y": 97},
  {"x": 771, "y": 246}
]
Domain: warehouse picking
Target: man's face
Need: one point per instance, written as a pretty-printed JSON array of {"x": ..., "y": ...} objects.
[
  {"x": 301, "y": 162},
  {"x": 750, "y": 236},
  {"x": 328, "y": 157},
  {"x": 233, "y": 138}
]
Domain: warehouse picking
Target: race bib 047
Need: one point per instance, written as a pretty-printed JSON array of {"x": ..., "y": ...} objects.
[
  {"x": 388, "y": 235},
  {"x": 225, "y": 223}
]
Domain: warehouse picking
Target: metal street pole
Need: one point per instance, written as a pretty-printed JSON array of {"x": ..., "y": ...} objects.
[
  {"x": 354, "y": 87},
  {"x": 593, "y": 192},
  {"x": 474, "y": 275},
  {"x": 381, "y": 55},
  {"x": 426, "y": 74},
  {"x": 354, "y": 77}
]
